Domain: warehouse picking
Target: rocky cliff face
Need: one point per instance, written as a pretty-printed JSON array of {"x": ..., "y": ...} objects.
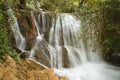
[
  {"x": 26, "y": 70},
  {"x": 27, "y": 24},
  {"x": 28, "y": 21}
]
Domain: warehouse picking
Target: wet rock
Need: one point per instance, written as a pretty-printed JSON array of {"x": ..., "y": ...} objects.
[
  {"x": 25, "y": 54},
  {"x": 113, "y": 58},
  {"x": 42, "y": 54},
  {"x": 30, "y": 43},
  {"x": 27, "y": 25},
  {"x": 16, "y": 50},
  {"x": 65, "y": 57},
  {"x": 116, "y": 58}
]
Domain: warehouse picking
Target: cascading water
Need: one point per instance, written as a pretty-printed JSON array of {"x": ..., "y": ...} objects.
[
  {"x": 63, "y": 37},
  {"x": 84, "y": 64},
  {"x": 66, "y": 53},
  {"x": 20, "y": 40},
  {"x": 66, "y": 50},
  {"x": 38, "y": 38}
]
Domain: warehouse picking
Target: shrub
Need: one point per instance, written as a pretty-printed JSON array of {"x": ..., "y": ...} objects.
[{"x": 4, "y": 39}]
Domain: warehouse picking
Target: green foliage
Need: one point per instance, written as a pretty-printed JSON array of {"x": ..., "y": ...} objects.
[
  {"x": 111, "y": 26},
  {"x": 89, "y": 14},
  {"x": 60, "y": 5},
  {"x": 33, "y": 3},
  {"x": 51, "y": 5},
  {"x": 6, "y": 2},
  {"x": 101, "y": 18},
  {"x": 4, "y": 39}
]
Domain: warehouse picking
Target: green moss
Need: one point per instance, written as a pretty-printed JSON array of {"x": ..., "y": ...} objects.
[{"x": 4, "y": 38}]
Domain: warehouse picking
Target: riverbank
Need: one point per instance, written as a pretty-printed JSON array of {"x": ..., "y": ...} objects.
[{"x": 25, "y": 70}]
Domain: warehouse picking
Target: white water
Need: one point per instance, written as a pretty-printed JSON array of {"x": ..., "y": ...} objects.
[
  {"x": 20, "y": 40},
  {"x": 63, "y": 35},
  {"x": 84, "y": 65},
  {"x": 91, "y": 71},
  {"x": 64, "y": 45}
]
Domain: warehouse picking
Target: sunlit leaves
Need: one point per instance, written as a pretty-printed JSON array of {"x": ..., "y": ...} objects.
[
  {"x": 102, "y": 18},
  {"x": 60, "y": 5}
]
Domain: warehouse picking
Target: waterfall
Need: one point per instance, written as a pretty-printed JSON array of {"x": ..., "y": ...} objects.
[
  {"x": 84, "y": 63},
  {"x": 63, "y": 36},
  {"x": 20, "y": 40},
  {"x": 64, "y": 50},
  {"x": 41, "y": 46}
]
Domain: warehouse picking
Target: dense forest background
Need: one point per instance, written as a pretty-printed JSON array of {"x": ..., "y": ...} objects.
[{"x": 103, "y": 17}]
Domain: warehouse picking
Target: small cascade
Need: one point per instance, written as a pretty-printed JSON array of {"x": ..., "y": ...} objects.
[
  {"x": 38, "y": 38},
  {"x": 38, "y": 52},
  {"x": 20, "y": 40},
  {"x": 44, "y": 22}
]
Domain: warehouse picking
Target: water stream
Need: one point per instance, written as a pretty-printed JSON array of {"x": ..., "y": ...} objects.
[
  {"x": 83, "y": 65},
  {"x": 67, "y": 53},
  {"x": 20, "y": 40}
]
